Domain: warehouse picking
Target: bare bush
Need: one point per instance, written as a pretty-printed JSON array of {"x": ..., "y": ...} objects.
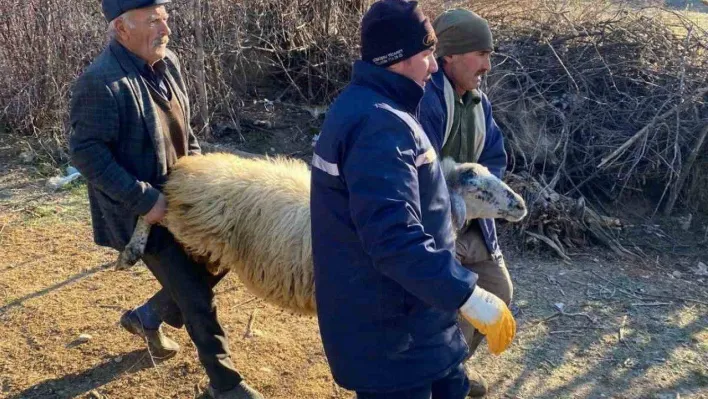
[
  {"x": 43, "y": 45},
  {"x": 298, "y": 51}
]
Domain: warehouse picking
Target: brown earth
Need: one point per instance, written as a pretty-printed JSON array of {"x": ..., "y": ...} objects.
[{"x": 626, "y": 330}]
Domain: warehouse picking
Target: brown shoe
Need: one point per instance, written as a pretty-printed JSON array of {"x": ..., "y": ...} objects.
[
  {"x": 242, "y": 391},
  {"x": 478, "y": 385},
  {"x": 159, "y": 345}
]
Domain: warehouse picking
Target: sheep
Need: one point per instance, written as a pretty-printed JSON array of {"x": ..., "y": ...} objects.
[
  {"x": 252, "y": 216},
  {"x": 475, "y": 193}
]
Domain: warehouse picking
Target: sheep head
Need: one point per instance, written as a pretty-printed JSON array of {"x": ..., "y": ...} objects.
[{"x": 475, "y": 193}]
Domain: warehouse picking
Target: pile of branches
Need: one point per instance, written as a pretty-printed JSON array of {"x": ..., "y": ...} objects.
[
  {"x": 604, "y": 103},
  {"x": 564, "y": 224}
]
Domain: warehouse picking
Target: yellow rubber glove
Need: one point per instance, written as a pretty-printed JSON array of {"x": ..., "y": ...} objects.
[{"x": 490, "y": 316}]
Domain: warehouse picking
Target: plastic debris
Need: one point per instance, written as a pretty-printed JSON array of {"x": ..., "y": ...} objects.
[{"x": 58, "y": 182}]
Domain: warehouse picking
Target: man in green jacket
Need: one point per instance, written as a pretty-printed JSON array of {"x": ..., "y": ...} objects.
[{"x": 457, "y": 117}]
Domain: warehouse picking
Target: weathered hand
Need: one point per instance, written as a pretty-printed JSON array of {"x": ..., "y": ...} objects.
[
  {"x": 158, "y": 211},
  {"x": 490, "y": 316}
]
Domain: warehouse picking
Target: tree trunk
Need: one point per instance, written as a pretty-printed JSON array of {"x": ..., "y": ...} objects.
[{"x": 199, "y": 70}]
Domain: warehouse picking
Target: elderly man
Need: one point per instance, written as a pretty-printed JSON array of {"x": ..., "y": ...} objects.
[
  {"x": 457, "y": 117},
  {"x": 130, "y": 119},
  {"x": 388, "y": 284}
]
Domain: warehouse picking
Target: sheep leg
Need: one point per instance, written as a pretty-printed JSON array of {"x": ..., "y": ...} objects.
[
  {"x": 136, "y": 246},
  {"x": 458, "y": 209}
]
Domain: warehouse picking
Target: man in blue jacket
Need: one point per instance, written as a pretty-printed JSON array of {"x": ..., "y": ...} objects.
[
  {"x": 389, "y": 287},
  {"x": 457, "y": 117}
]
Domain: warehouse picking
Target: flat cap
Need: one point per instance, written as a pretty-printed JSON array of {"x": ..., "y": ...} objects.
[{"x": 114, "y": 8}]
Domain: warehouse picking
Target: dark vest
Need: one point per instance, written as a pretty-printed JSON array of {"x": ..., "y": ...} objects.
[{"x": 172, "y": 123}]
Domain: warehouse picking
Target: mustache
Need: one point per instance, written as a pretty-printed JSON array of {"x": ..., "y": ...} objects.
[{"x": 160, "y": 41}]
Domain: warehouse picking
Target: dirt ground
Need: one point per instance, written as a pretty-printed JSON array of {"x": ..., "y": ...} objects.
[{"x": 595, "y": 328}]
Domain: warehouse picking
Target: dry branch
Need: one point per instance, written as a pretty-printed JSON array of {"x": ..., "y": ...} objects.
[
  {"x": 563, "y": 223},
  {"x": 200, "y": 83},
  {"x": 685, "y": 170},
  {"x": 605, "y": 160}
]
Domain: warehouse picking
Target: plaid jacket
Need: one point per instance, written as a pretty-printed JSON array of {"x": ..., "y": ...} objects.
[{"x": 116, "y": 141}]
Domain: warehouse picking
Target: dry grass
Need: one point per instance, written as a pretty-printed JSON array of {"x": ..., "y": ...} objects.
[{"x": 54, "y": 286}]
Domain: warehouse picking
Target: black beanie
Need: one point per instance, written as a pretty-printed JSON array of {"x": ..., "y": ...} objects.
[{"x": 394, "y": 30}]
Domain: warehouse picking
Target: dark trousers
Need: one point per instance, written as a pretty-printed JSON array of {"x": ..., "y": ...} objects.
[
  {"x": 187, "y": 298},
  {"x": 453, "y": 386}
]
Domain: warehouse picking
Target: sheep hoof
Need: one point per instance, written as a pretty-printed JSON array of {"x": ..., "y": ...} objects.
[
  {"x": 127, "y": 258},
  {"x": 136, "y": 246}
]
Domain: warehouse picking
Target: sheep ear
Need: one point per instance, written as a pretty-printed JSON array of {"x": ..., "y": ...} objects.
[
  {"x": 458, "y": 209},
  {"x": 468, "y": 177}
]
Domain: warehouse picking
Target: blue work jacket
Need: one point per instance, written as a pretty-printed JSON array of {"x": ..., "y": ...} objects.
[{"x": 388, "y": 285}]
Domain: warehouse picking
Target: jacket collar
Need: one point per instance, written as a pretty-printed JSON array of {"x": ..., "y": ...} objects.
[
  {"x": 123, "y": 56},
  {"x": 400, "y": 89},
  {"x": 130, "y": 61},
  {"x": 438, "y": 80},
  {"x": 141, "y": 94}
]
